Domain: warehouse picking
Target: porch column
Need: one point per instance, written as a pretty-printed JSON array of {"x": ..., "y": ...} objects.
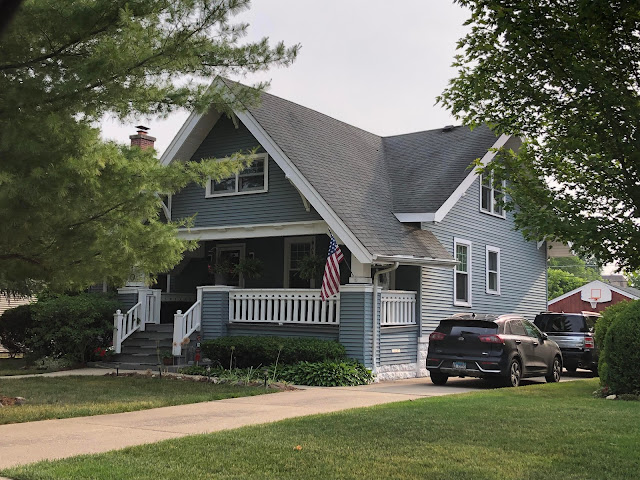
[
  {"x": 356, "y": 314},
  {"x": 214, "y": 310},
  {"x": 360, "y": 272}
]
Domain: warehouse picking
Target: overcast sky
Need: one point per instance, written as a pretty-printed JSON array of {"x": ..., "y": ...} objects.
[{"x": 375, "y": 64}]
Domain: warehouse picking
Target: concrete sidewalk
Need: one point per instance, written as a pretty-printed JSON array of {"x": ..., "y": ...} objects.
[{"x": 50, "y": 439}]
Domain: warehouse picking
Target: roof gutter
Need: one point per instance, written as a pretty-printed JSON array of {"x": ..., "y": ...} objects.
[{"x": 418, "y": 261}]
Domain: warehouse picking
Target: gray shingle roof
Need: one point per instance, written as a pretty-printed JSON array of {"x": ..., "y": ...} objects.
[
  {"x": 356, "y": 172},
  {"x": 630, "y": 290}
]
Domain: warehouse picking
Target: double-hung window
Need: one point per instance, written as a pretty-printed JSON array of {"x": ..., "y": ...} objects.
[
  {"x": 462, "y": 273},
  {"x": 253, "y": 179},
  {"x": 492, "y": 270},
  {"x": 491, "y": 196}
]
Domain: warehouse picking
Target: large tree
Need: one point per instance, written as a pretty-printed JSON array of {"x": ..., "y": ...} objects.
[
  {"x": 73, "y": 208},
  {"x": 565, "y": 75}
]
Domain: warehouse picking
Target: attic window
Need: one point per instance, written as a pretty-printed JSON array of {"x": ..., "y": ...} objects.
[
  {"x": 253, "y": 179},
  {"x": 490, "y": 196}
]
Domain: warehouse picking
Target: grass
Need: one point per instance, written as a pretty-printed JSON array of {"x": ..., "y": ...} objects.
[
  {"x": 76, "y": 396},
  {"x": 554, "y": 431},
  {"x": 16, "y": 366}
]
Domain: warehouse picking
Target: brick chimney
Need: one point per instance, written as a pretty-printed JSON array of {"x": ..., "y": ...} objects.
[{"x": 141, "y": 139}]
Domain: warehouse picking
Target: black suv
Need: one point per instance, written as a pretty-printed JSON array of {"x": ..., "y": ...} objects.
[
  {"x": 491, "y": 346},
  {"x": 573, "y": 332}
]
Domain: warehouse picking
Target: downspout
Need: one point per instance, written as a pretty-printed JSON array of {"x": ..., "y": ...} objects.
[{"x": 376, "y": 277}]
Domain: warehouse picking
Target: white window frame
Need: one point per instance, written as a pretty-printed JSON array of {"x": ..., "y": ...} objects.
[
  {"x": 495, "y": 250},
  {"x": 287, "y": 256},
  {"x": 492, "y": 202},
  {"x": 209, "y": 193},
  {"x": 232, "y": 247},
  {"x": 456, "y": 302}
]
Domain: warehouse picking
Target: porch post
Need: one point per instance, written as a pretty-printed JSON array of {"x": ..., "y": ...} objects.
[
  {"x": 356, "y": 320},
  {"x": 360, "y": 272},
  {"x": 215, "y": 310}
]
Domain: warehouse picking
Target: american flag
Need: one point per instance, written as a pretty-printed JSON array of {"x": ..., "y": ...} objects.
[{"x": 331, "y": 278}]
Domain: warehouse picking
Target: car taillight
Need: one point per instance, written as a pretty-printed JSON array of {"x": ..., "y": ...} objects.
[
  {"x": 588, "y": 342},
  {"x": 435, "y": 336},
  {"x": 491, "y": 339}
]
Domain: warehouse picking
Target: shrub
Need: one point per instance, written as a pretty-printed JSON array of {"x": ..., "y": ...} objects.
[
  {"x": 243, "y": 352},
  {"x": 620, "y": 356},
  {"x": 72, "y": 326},
  {"x": 603, "y": 323},
  {"x": 327, "y": 374},
  {"x": 13, "y": 328}
]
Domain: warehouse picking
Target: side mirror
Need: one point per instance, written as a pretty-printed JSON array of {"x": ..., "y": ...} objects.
[{"x": 545, "y": 336}]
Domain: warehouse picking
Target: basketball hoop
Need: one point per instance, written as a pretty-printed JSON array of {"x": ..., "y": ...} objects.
[
  {"x": 594, "y": 301},
  {"x": 596, "y": 294}
]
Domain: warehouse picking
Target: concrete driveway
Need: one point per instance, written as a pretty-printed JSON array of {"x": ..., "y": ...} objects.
[{"x": 50, "y": 439}]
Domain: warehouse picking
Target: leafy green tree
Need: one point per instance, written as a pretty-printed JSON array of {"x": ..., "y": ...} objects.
[
  {"x": 577, "y": 266},
  {"x": 73, "y": 208},
  {"x": 560, "y": 282},
  {"x": 565, "y": 76},
  {"x": 634, "y": 279}
]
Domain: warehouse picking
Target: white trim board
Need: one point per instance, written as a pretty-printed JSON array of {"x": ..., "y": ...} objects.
[
  {"x": 312, "y": 227},
  {"x": 594, "y": 283},
  {"x": 457, "y": 194}
]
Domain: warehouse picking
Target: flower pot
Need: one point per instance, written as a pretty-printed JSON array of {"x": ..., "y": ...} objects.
[{"x": 167, "y": 361}]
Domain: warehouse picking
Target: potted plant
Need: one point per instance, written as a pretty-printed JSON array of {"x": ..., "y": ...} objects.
[
  {"x": 167, "y": 357},
  {"x": 311, "y": 267},
  {"x": 226, "y": 270}
]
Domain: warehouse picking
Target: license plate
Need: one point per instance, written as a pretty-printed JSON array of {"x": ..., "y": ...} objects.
[{"x": 459, "y": 365}]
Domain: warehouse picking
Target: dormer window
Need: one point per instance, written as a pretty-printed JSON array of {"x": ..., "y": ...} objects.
[
  {"x": 253, "y": 179},
  {"x": 490, "y": 196}
]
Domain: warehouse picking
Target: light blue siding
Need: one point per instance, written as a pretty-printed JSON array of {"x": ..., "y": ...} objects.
[
  {"x": 404, "y": 339},
  {"x": 215, "y": 314},
  {"x": 281, "y": 203},
  {"x": 127, "y": 300},
  {"x": 522, "y": 265},
  {"x": 324, "y": 332},
  {"x": 355, "y": 325}
]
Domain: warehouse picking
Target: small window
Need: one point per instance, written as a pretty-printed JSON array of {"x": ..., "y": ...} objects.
[
  {"x": 296, "y": 249},
  {"x": 493, "y": 270},
  {"x": 491, "y": 196},
  {"x": 531, "y": 329},
  {"x": 253, "y": 179},
  {"x": 462, "y": 273},
  {"x": 517, "y": 328}
]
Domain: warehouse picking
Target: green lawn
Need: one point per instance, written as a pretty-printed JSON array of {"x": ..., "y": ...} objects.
[
  {"x": 553, "y": 431},
  {"x": 16, "y": 366},
  {"x": 76, "y": 396}
]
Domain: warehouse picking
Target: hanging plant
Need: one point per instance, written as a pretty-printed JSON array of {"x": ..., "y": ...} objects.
[
  {"x": 311, "y": 267},
  {"x": 249, "y": 268}
]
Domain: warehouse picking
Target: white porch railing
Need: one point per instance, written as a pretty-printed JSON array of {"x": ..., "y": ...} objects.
[
  {"x": 283, "y": 306},
  {"x": 184, "y": 324},
  {"x": 398, "y": 307},
  {"x": 124, "y": 324}
]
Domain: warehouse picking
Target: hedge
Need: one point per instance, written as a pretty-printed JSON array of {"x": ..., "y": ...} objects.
[
  {"x": 243, "y": 352},
  {"x": 619, "y": 363},
  {"x": 14, "y": 324}
]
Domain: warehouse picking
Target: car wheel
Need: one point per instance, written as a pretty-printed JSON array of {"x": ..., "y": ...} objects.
[
  {"x": 556, "y": 371},
  {"x": 438, "y": 378},
  {"x": 515, "y": 373}
]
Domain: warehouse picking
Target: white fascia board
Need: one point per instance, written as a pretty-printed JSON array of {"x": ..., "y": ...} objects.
[
  {"x": 192, "y": 133},
  {"x": 457, "y": 194},
  {"x": 592, "y": 284},
  {"x": 302, "y": 184},
  {"x": 313, "y": 227},
  {"x": 420, "y": 261}
]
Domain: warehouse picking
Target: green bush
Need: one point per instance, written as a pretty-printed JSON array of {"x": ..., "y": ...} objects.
[
  {"x": 13, "y": 328},
  {"x": 327, "y": 374},
  {"x": 620, "y": 356},
  {"x": 243, "y": 352},
  {"x": 71, "y": 325},
  {"x": 603, "y": 323}
]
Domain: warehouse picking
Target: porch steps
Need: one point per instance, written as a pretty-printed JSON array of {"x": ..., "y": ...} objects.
[{"x": 141, "y": 350}]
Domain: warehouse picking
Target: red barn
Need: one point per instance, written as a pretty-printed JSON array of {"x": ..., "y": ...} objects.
[{"x": 593, "y": 297}]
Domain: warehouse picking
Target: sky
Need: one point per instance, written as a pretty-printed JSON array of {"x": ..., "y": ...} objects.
[{"x": 375, "y": 64}]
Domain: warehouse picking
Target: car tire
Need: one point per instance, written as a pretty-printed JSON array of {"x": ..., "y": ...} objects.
[
  {"x": 556, "y": 371},
  {"x": 514, "y": 374},
  {"x": 438, "y": 378}
]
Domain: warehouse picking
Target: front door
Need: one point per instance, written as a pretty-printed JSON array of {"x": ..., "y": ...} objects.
[{"x": 227, "y": 257}]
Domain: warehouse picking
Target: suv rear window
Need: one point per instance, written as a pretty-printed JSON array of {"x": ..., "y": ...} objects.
[
  {"x": 560, "y": 323},
  {"x": 475, "y": 327}
]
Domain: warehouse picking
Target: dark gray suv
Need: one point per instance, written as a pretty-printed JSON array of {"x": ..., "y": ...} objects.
[{"x": 506, "y": 347}]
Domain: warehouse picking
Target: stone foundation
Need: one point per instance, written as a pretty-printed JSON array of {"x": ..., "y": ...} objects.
[
  {"x": 387, "y": 373},
  {"x": 423, "y": 346}
]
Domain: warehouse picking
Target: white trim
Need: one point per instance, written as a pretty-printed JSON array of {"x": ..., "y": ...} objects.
[
  {"x": 458, "y": 193},
  {"x": 456, "y": 302},
  {"x": 287, "y": 256},
  {"x": 302, "y": 184},
  {"x": 420, "y": 261},
  {"x": 491, "y": 198},
  {"x": 254, "y": 230},
  {"x": 214, "y": 288},
  {"x": 490, "y": 249},
  {"x": 594, "y": 283},
  {"x": 209, "y": 193},
  {"x": 192, "y": 133}
]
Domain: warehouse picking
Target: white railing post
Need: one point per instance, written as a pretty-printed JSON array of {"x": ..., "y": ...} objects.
[
  {"x": 397, "y": 307},
  {"x": 178, "y": 335},
  {"x": 143, "y": 296},
  {"x": 117, "y": 330}
]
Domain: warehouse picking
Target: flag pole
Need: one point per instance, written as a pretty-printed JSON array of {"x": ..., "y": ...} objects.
[{"x": 345, "y": 260}]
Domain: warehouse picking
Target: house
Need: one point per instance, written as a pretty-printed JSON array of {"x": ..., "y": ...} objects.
[
  {"x": 415, "y": 223},
  {"x": 594, "y": 297}
]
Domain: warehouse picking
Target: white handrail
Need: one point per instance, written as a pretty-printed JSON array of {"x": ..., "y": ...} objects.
[
  {"x": 291, "y": 306},
  {"x": 398, "y": 307},
  {"x": 124, "y": 324},
  {"x": 184, "y": 324}
]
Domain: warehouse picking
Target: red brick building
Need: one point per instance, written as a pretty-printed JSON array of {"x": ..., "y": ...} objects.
[{"x": 593, "y": 297}]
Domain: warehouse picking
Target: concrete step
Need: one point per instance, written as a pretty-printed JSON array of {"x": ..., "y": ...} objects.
[
  {"x": 151, "y": 336},
  {"x": 159, "y": 327},
  {"x": 138, "y": 358},
  {"x": 148, "y": 343}
]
